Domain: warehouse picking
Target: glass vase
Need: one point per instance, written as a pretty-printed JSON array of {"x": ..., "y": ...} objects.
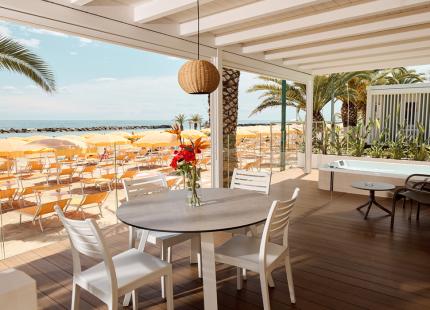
[{"x": 193, "y": 198}]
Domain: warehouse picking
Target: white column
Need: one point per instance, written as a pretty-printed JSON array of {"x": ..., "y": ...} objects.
[
  {"x": 216, "y": 120},
  {"x": 308, "y": 124}
]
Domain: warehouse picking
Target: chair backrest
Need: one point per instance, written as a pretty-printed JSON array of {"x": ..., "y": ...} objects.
[
  {"x": 49, "y": 207},
  {"x": 144, "y": 186},
  {"x": 418, "y": 182},
  {"x": 86, "y": 238},
  {"x": 7, "y": 165},
  {"x": 89, "y": 169},
  {"x": 250, "y": 180},
  {"x": 129, "y": 174},
  {"x": 98, "y": 198},
  {"x": 175, "y": 183},
  {"x": 67, "y": 171},
  {"x": 253, "y": 164},
  {"x": 277, "y": 223},
  {"x": 35, "y": 165},
  {"x": 8, "y": 193},
  {"x": 109, "y": 176}
]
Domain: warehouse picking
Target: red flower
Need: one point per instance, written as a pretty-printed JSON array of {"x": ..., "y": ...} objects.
[{"x": 188, "y": 156}]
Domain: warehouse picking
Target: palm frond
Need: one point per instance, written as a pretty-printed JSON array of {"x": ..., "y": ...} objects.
[{"x": 17, "y": 58}]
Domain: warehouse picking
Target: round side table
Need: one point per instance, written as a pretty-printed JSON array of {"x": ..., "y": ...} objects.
[{"x": 373, "y": 187}]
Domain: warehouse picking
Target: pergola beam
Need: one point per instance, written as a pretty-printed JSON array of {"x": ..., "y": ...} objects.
[
  {"x": 331, "y": 17},
  {"x": 382, "y": 50},
  {"x": 368, "y": 59},
  {"x": 155, "y": 9},
  {"x": 243, "y": 14},
  {"x": 414, "y": 61},
  {"x": 343, "y": 32},
  {"x": 80, "y": 2},
  {"x": 350, "y": 44}
]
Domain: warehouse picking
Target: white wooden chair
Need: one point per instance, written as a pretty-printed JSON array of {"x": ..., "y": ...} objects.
[
  {"x": 140, "y": 187},
  {"x": 254, "y": 181},
  {"x": 115, "y": 276},
  {"x": 260, "y": 254},
  {"x": 251, "y": 180}
]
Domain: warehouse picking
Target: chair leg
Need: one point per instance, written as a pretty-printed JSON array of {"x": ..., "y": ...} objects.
[
  {"x": 131, "y": 237},
  {"x": 164, "y": 255},
  {"x": 410, "y": 211},
  {"x": 239, "y": 278},
  {"x": 39, "y": 219},
  {"x": 393, "y": 211},
  {"x": 135, "y": 299},
  {"x": 418, "y": 211},
  {"x": 264, "y": 290},
  {"x": 290, "y": 279},
  {"x": 169, "y": 290},
  {"x": 270, "y": 280},
  {"x": 76, "y": 292}
]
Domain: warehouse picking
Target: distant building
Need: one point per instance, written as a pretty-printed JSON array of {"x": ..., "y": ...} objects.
[{"x": 399, "y": 106}]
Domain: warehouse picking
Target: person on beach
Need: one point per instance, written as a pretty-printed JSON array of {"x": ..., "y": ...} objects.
[{"x": 105, "y": 154}]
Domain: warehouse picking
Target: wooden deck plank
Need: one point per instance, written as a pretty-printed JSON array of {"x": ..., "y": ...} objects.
[{"x": 340, "y": 261}]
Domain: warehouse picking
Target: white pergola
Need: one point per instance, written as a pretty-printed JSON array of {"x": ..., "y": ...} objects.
[{"x": 288, "y": 39}]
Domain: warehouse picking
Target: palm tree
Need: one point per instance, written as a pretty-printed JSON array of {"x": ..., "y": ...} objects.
[
  {"x": 326, "y": 87},
  {"x": 359, "y": 81},
  {"x": 399, "y": 75},
  {"x": 196, "y": 120},
  {"x": 230, "y": 94},
  {"x": 180, "y": 120},
  {"x": 17, "y": 58}
]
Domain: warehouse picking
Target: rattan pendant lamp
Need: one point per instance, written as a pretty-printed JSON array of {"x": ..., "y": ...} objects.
[{"x": 198, "y": 76}]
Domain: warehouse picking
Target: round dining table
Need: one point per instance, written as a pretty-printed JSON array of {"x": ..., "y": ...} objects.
[{"x": 221, "y": 209}]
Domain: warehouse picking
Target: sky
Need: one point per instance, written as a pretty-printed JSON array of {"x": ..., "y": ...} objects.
[
  {"x": 101, "y": 81},
  {"x": 97, "y": 80}
]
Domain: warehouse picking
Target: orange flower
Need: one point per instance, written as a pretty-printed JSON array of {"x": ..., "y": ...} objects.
[
  {"x": 200, "y": 145},
  {"x": 176, "y": 130}
]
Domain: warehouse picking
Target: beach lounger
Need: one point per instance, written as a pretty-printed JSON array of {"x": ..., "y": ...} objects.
[
  {"x": 91, "y": 201},
  {"x": 37, "y": 212}
]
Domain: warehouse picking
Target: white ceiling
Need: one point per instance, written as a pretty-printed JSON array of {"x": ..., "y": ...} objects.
[{"x": 294, "y": 37}]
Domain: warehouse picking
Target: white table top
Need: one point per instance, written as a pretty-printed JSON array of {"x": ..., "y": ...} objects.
[
  {"x": 221, "y": 209},
  {"x": 373, "y": 186}
]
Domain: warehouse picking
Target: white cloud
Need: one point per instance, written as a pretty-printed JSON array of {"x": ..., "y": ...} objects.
[
  {"x": 84, "y": 41},
  {"x": 8, "y": 88},
  {"x": 105, "y": 79},
  {"x": 4, "y": 31},
  {"x": 47, "y": 32},
  {"x": 174, "y": 58},
  {"x": 143, "y": 98},
  {"x": 29, "y": 42}
]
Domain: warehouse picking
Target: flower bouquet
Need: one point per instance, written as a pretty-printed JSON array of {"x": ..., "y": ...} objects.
[{"x": 185, "y": 161}]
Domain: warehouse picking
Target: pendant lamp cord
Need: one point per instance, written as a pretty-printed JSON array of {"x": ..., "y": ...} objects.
[{"x": 198, "y": 30}]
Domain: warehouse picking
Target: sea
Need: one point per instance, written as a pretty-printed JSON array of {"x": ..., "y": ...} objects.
[{"x": 35, "y": 124}]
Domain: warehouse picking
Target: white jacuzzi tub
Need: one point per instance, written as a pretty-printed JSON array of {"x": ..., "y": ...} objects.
[{"x": 339, "y": 175}]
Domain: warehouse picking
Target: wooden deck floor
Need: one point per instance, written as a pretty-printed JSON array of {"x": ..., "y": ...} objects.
[{"x": 340, "y": 261}]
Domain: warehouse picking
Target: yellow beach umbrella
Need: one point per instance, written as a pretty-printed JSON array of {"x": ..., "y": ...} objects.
[
  {"x": 123, "y": 134},
  {"x": 245, "y": 133},
  {"x": 35, "y": 138},
  {"x": 12, "y": 148},
  {"x": 157, "y": 139},
  {"x": 192, "y": 134},
  {"x": 72, "y": 137},
  {"x": 107, "y": 140},
  {"x": 60, "y": 146}
]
